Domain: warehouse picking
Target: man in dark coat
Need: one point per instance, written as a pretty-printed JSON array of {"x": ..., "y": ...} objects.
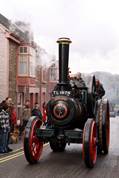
[
  {"x": 99, "y": 90},
  {"x": 36, "y": 111}
]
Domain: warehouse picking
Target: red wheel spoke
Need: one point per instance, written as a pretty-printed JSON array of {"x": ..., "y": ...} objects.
[
  {"x": 94, "y": 141},
  {"x": 35, "y": 146}
]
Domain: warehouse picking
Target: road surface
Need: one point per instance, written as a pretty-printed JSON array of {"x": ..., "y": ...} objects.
[{"x": 68, "y": 164}]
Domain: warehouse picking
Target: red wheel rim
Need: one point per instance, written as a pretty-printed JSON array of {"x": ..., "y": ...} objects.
[
  {"x": 89, "y": 150},
  {"x": 35, "y": 145},
  {"x": 92, "y": 143}
]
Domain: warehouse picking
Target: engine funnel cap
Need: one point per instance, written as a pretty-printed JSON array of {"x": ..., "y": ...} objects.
[{"x": 64, "y": 40}]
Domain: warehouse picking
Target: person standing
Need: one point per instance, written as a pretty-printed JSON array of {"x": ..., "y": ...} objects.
[
  {"x": 13, "y": 117},
  {"x": 4, "y": 128},
  {"x": 9, "y": 102},
  {"x": 26, "y": 114},
  {"x": 99, "y": 90},
  {"x": 36, "y": 111}
]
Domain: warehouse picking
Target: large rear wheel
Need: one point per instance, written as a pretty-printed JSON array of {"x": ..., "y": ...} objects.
[
  {"x": 32, "y": 145},
  {"x": 89, "y": 143},
  {"x": 103, "y": 125}
]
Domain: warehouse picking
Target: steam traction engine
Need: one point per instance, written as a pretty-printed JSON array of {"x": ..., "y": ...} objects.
[{"x": 75, "y": 115}]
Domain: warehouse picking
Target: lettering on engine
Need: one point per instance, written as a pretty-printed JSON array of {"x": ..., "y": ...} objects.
[{"x": 58, "y": 93}]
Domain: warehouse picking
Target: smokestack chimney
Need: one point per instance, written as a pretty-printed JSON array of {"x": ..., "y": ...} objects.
[{"x": 63, "y": 60}]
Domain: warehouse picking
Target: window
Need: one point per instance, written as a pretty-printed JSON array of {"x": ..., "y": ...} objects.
[
  {"x": 23, "y": 49},
  {"x": 23, "y": 65},
  {"x": 32, "y": 66}
]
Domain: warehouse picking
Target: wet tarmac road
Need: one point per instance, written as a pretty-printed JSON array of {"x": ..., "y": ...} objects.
[{"x": 68, "y": 164}]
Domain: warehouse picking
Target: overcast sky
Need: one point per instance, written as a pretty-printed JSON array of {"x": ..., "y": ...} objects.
[{"x": 92, "y": 25}]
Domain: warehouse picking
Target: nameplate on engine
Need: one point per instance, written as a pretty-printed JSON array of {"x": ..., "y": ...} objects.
[{"x": 58, "y": 93}]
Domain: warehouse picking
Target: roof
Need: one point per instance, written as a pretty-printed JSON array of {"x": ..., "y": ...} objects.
[{"x": 4, "y": 21}]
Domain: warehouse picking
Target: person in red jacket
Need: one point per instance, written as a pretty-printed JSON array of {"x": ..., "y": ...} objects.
[{"x": 13, "y": 117}]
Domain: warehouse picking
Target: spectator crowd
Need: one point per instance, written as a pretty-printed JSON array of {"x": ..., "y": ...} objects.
[{"x": 10, "y": 129}]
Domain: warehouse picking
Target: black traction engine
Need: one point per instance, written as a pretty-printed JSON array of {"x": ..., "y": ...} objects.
[{"x": 75, "y": 115}]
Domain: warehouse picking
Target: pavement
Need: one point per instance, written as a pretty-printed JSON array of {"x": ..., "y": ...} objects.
[{"x": 15, "y": 147}]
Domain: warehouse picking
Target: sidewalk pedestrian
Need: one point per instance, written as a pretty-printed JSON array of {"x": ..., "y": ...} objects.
[
  {"x": 9, "y": 103},
  {"x": 36, "y": 111},
  {"x": 13, "y": 117},
  {"x": 4, "y": 127},
  {"x": 26, "y": 114}
]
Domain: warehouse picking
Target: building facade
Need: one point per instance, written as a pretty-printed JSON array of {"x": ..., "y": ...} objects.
[
  {"x": 27, "y": 87},
  {"x": 13, "y": 58},
  {"x": 22, "y": 75}
]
